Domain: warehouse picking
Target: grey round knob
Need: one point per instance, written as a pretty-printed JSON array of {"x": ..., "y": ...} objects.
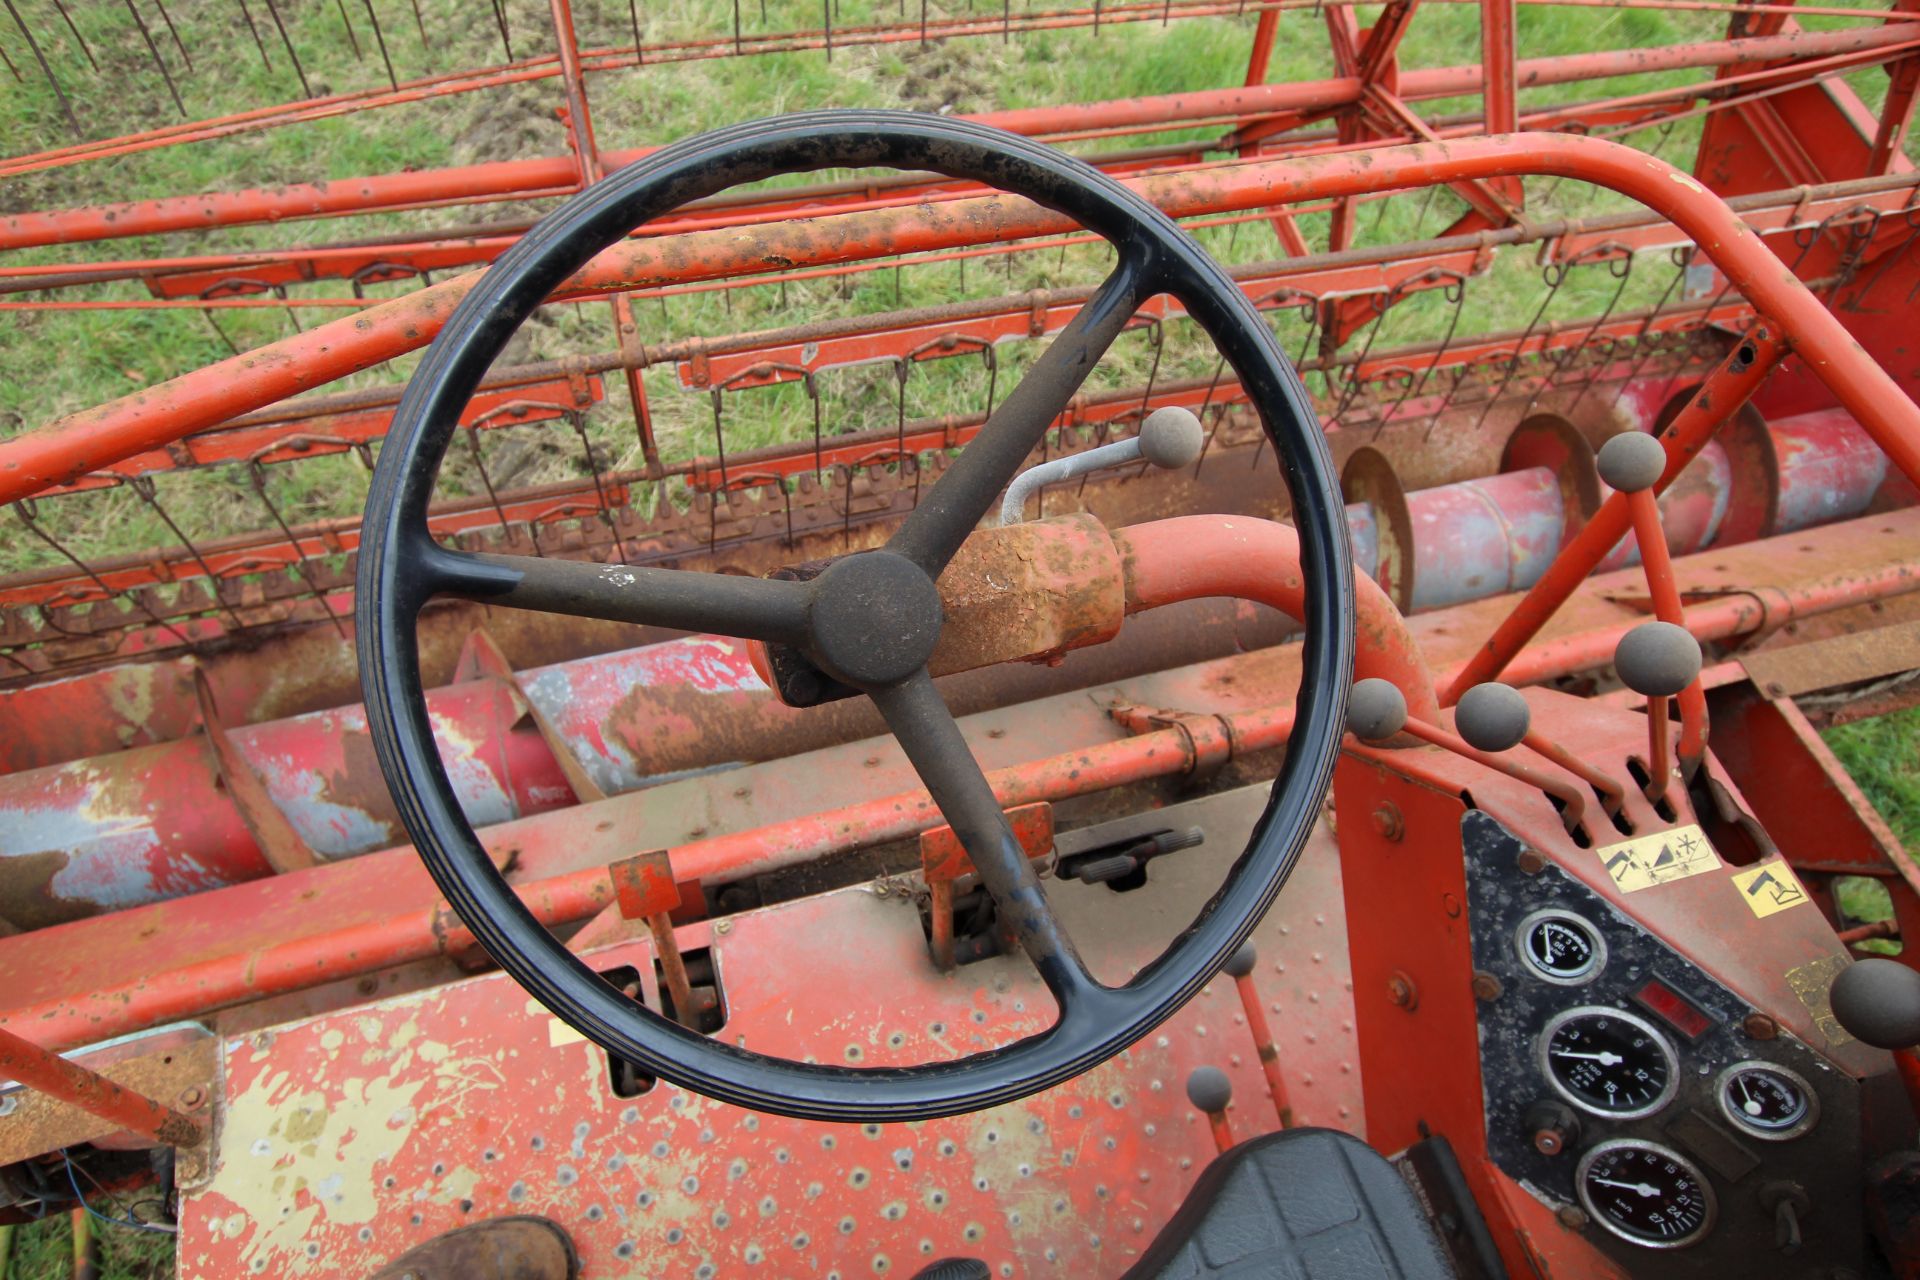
[
  {"x": 1241, "y": 962},
  {"x": 1632, "y": 461},
  {"x": 1171, "y": 437},
  {"x": 1492, "y": 717},
  {"x": 1376, "y": 710},
  {"x": 1657, "y": 659},
  {"x": 1209, "y": 1089},
  {"x": 1877, "y": 1001}
]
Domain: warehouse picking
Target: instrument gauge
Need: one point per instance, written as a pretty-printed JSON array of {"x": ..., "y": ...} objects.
[
  {"x": 1767, "y": 1101},
  {"x": 1560, "y": 947},
  {"x": 1645, "y": 1193},
  {"x": 1608, "y": 1062}
]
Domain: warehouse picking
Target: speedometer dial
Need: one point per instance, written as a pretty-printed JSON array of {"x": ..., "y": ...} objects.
[
  {"x": 1608, "y": 1062},
  {"x": 1645, "y": 1193}
]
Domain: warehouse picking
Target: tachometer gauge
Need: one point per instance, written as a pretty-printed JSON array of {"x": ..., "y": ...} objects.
[
  {"x": 1767, "y": 1101},
  {"x": 1560, "y": 947},
  {"x": 1645, "y": 1193},
  {"x": 1608, "y": 1062}
]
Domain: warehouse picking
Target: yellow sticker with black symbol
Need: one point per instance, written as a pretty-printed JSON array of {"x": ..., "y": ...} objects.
[
  {"x": 1769, "y": 887},
  {"x": 1645, "y": 861}
]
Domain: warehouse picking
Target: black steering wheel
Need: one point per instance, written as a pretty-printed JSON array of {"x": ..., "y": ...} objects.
[{"x": 870, "y": 620}]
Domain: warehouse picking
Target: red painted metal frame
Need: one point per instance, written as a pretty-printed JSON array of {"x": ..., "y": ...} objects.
[{"x": 95, "y": 438}]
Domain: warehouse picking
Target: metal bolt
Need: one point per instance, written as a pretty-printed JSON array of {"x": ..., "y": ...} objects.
[
  {"x": 1486, "y": 986},
  {"x": 1402, "y": 991},
  {"x": 1759, "y": 1026},
  {"x": 1386, "y": 821},
  {"x": 1571, "y": 1218},
  {"x": 192, "y": 1098},
  {"x": 1530, "y": 862},
  {"x": 1451, "y": 904},
  {"x": 1549, "y": 1142},
  {"x": 723, "y": 927}
]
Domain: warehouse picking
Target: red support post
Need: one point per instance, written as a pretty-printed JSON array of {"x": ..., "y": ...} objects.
[
  {"x": 1499, "y": 58},
  {"x": 53, "y": 1075},
  {"x": 1719, "y": 397}
]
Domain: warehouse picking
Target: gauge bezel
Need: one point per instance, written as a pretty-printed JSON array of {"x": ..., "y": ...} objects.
[
  {"x": 1545, "y": 1064},
  {"x": 1744, "y": 1123},
  {"x": 1561, "y": 914},
  {"x": 1613, "y": 1228}
]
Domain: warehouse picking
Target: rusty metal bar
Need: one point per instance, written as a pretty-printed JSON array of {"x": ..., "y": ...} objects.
[{"x": 37, "y": 1068}]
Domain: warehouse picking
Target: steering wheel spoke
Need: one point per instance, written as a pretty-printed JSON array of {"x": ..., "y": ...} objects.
[
  {"x": 725, "y": 604},
  {"x": 934, "y": 529},
  {"x": 919, "y": 719}
]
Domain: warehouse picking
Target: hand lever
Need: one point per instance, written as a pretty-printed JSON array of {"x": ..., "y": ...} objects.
[
  {"x": 1657, "y": 660},
  {"x": 1494, "y": 717}
]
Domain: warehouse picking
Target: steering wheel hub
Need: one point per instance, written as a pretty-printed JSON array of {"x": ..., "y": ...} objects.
[{"x": 874, "y": 620}]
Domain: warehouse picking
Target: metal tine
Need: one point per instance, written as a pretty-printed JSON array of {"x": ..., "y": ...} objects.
[
  {"x": 1860, "y": 236},
  {"x": 1555, "y": 274},
  {"x": 1679, "y": 259},
  {"x": 9, "y": 61},
  {"x": 208, "y": 313},
  {"x": 148, "y": 492},
  {"x": 84, "y": 47},
  {"x": 1911, "y": 215},
  {"x": 420, "y": 25},
  {"x": 178, "y": 43},
  {"x": 257, "y": 475},
  {"x": 472, "y": 435},
  {"x": 578, "y": 421},
  {"x": 1381, "y": 304},
  {"x": 286, "y": 42},
  {"x": 352, "y": 39},
  {"x": 1619, "y": 263},
  {"x": 1622, "y": 275},
  {"x": 26, "y": 509},
  {"x": 639, "y": 48},
  {"x": 1307, "y": 307},
  {"x": 258, "y": 43},
  {"x": 1206, "y": 442},
  {"x": 152, "y": 49},
  {"x": 66, "y": 108},
  {"x": 500, "y": 17},
  {"x": 379, "y": 38},
  {"x": 720, "y": 434},
  {"x": 1455, "y": 293}
]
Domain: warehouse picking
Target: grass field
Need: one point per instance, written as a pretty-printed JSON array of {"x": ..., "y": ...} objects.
[{"x": 52, "y": 363}]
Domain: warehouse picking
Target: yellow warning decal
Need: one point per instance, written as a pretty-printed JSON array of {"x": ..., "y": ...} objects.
[
  {"x": 1645, "y": 861},
  {"x": 1770, "y": 887}
]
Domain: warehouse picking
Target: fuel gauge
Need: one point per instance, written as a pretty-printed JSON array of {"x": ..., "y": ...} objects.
[
  {"x": 1767, "y": 1101},
  {"x": 1560, "y": 947}
]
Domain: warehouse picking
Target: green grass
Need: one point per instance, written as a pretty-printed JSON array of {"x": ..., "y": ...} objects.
[{"x": 1883, "y": 755}]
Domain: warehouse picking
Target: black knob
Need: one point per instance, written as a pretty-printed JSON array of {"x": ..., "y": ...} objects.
[
  {"x": 1632, "y": 461},
  {"x": 1376, "y": 710},
  {"x": 1492, "y": 717},
  {"x": 1209, "y": 1090},
  {"x": 1241, "y": 962},
  {"x": 1657, "y": 659},
  {"x": 1878, "y": 1002}
]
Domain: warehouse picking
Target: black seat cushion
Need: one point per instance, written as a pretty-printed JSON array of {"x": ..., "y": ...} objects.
[{"x": 1303, "y": 1204}]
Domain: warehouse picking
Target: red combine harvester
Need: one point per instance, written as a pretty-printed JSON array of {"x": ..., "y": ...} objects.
[{"x": 1344, "y": 801}]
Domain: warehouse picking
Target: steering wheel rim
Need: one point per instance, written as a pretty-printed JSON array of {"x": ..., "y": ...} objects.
[{"x": 401, "y": 567}]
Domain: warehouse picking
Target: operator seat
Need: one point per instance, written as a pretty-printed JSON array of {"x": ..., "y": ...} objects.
[{"x": 1303, "y": 1204}]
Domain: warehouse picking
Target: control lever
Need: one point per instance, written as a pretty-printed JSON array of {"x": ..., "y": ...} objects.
[
  {"x": 1658, "y": 660},
  {"x": 1209, "y": 1090},
  {"x": 1116, "y": 862},
  {"x": 1239, "y": 967},
  {"x": 1169, "y": 438},
  {"x": 1377, "y": 711},
  {"x": 1878, "y": 1002},
  {"x": 1494, "y": 717},
  {"x": 1633, "y": 462}
]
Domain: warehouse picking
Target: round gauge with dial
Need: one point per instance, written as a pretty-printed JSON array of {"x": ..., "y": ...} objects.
[
  {"x": 1608, "y": 1062},
  {"x": 1767, "y": 1101},
  {"x": 1645, "y": 1193},
  {"x": 1560, "y": 946}
]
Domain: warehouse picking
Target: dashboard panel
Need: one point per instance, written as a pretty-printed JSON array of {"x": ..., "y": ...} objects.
[{"x": 1627, "y": 1089}]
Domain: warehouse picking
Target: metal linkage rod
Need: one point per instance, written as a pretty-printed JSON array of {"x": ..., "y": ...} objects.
[{"x": 22, "y": 1060}]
